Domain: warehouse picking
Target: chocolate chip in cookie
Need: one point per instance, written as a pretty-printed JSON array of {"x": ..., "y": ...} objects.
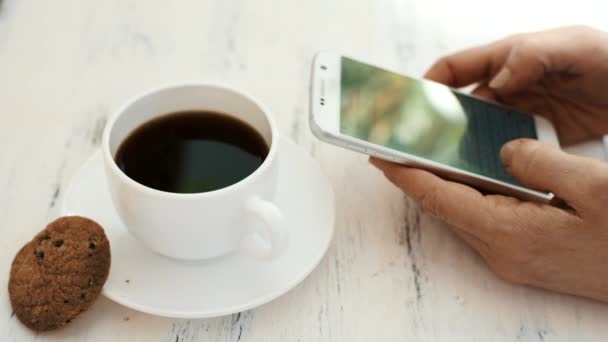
[{"x": 60, "y": 273}]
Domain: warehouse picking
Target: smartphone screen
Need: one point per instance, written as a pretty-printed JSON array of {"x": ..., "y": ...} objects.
[{"x": 428, "y": 120}]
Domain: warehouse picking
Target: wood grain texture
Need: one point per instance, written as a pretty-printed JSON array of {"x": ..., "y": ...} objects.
[{"x": 392, "y": 272}]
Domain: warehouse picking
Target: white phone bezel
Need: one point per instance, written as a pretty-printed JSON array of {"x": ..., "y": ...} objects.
[{"x": 325, "y": 124}]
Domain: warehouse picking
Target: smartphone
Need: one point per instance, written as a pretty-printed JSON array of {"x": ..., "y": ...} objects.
[{"x": 420, "y": 123}]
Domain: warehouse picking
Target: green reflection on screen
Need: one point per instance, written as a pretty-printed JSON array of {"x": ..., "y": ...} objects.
[{"x": 428, "y": 120}]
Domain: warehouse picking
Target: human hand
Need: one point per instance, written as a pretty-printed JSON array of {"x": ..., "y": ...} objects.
[
  {"x": 525, "y": 242},
  {"x": 560, "y": 74}
]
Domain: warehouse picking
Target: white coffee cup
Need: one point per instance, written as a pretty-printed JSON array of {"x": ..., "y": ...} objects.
[{"x": 200, "y": 225}]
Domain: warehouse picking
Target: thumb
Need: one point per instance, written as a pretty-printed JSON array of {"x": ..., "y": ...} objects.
[
  {"x": 524, "y": 65},
  {"x": 543, "y": 167}
]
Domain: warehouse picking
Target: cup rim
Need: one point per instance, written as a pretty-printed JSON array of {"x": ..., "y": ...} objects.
[{"x": 109, "y": 160}]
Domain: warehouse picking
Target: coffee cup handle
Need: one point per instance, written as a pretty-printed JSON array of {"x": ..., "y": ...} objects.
[{"x": 268, "y": 240}]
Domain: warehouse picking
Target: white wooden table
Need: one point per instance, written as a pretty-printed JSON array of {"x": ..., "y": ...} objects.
[{"x": 392, "y": 273}]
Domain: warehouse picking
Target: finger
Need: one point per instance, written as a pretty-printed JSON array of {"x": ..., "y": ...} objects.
[
  {"x": 525, "y": 64},
  {"x": 473, "y": 241},
  {"x": 544, "y": 167},
  {"x": 473, "y": 65},
  {"x": 485, "y": 92},
  {"x": 457, "y": 204},
  {"x": 535, "y": 55}
]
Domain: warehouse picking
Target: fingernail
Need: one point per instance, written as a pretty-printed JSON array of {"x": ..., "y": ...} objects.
[
  {"x": 500, "y": 79},
  {"x": 506, "y": 152}
]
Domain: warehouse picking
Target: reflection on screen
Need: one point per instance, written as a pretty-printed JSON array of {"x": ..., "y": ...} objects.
[{"x": 428, "y": 120}]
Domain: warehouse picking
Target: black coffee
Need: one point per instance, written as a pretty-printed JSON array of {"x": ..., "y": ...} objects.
[{"x": 191, "y": 151}]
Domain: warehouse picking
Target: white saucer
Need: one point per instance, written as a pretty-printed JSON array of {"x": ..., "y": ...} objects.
[{"x": 143, "y": 280}]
